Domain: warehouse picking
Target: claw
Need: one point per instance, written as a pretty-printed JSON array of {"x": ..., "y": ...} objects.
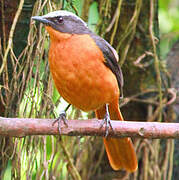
[
  {"x": 106, "y": 121},
  {"x": 62, "y": 117}
]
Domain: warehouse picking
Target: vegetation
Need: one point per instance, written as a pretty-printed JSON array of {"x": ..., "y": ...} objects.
[{"x": 27, "y": 90}]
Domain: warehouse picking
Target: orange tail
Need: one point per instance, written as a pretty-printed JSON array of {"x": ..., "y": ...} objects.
[{"x": 121, "y": 153}]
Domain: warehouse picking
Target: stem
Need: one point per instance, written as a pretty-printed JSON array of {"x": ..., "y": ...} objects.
[
  {"x": 11, "y": 33},
  {"x": 156, "y": 62}
]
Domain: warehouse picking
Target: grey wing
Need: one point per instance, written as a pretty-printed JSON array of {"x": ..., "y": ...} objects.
[{"x": 111, "y": 58}]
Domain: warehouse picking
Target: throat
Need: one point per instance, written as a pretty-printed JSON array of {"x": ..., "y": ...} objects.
[{"x": 57, "y": 35}]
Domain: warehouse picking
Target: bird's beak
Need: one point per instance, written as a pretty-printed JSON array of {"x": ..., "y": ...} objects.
[{"x": 41, "y": 19}]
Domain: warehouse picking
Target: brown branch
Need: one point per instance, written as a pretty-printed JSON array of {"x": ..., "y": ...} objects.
[
  {"x": 20, "y": 127},
  {"x": 11, "y": 34}
]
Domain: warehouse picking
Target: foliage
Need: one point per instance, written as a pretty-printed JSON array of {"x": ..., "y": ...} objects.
[
  {"x": 46, "y": 157},
  {"x": 169, "y": 24}
]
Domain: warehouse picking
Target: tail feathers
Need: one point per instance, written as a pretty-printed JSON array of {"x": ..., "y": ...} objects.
[
  {"x": 120, "y": 151},
  {"x": 121, "y": 154}
]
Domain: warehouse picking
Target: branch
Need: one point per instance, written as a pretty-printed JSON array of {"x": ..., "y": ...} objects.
[
  {"x": 9, "y": 45},
  {"x": 20, "y": 127}
]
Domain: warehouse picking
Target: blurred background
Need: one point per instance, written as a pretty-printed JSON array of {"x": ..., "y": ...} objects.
[{"x": 149, "y": 58}]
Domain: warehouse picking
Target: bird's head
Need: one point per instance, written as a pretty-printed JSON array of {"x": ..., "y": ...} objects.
[{"x": 64, "y": 22}]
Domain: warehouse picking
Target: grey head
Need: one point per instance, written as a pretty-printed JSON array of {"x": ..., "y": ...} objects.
[{"x": 64, "y": 21}]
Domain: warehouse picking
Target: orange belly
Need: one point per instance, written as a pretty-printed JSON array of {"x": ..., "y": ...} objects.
[{"x": 79, "y": 73}]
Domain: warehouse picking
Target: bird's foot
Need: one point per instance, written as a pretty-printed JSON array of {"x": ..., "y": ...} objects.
[
  {"x": 62, "y": 117},
  {"x": 107, "y": 122}
]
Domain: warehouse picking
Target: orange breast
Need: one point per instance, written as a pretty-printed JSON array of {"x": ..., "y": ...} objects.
[{"x": 80, "y": 76}]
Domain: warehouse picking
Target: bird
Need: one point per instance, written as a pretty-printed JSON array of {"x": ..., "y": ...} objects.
[{"x": 86, "y": 73}]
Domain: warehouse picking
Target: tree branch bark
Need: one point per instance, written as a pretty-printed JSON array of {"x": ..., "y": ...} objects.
[{"x": 20, "y": 127}]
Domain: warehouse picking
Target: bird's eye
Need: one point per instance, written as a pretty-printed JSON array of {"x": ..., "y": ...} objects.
[{"x": 60, "y": 19}]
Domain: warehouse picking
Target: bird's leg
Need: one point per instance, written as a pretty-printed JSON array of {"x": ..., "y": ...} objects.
[
  {"x": 62, "y": 117},
  {"x": 106, "y": 121}
]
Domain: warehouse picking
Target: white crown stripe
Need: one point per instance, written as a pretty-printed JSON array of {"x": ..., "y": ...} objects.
[{"x": 62, "y": 13}]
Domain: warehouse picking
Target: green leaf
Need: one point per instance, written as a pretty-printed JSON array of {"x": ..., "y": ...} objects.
[
  {"x": 7, "y": 174},
  {"x": 93, "y": 16}
]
